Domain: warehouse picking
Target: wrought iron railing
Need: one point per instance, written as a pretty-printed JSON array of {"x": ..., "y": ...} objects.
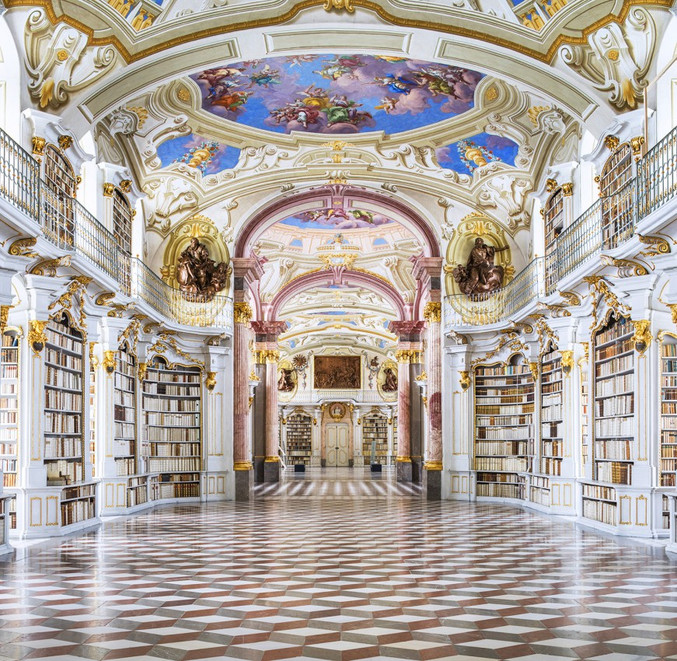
[
  {"x": 657, "y": 175},
  {"x": 68, "y": 225},
  {"x": 490, "y": 308}
]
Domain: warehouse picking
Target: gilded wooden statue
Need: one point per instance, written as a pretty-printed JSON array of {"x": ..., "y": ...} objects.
[
  {"x": 480, "y": 275},
  {"x": 198, "y": 274}
]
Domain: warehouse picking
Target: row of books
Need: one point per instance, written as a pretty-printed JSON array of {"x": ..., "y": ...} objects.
[
  {"x": 9, "y": 435},
  {"x": 668, "y": 436},
  {"x": 552, "y": 448},
  {"x": 9, "y": 479},
  {"x": 62, "y": 399},
  {"x": 669, "y": 424},
  {"x": 501, "y": 370},
  {"x": 63, "y": 423},
  {"x": 122, "y": 448},
  {"x": 60, "y": 379},
  {"x": 125, "y": 466},
  {"x": 166, "y": 376},
  {"x": 550, "y": 388},
  {"x": 7, "y": 448},
  {"x": 60, "y": 359},
  {"x": 77, "y": 511},
  {"x": 501, "y": 448},
  {"x": 174, "y": 434},
  {"x": 614, "y": 350},
  {"x": 125, "y": 429},
  {"x": 63, "y": 341},
  {"x": 670, "y": 365},
  {"x": 611, "y": 367},
  {"x": 505, "y": 433},
  {"x": 669, "y": 349},
  {"x": 125, "y": 399},
  {"x": 8, "y": 417},
  {"x": 598, "y": 510},
  {"x": 669, "y": 464},
  {"x": 124, "y": 374},
  {"x": 619, "y": 405},
  {"x": 512, "y": 464},
  {"x": 551, "y": 413},
  {"x": 669, "y": 407},
  {"x": 500, "y": 490},
  {"x": 611, "y": 387},
  {"x": 62, "y": 447},
  {"x": 8, "y": 465},
  {"x": 503, "y": 420},
  {"x": 614, "y": 427},
  {"x": 481, "y": 409},
  {"x": 156, "y": 464},
  {"x": 171, "y": 405},
  {"x": 137, "y": 495},
  {"x": 64, "y": 472},
  {"x": 614, "y": 472},
  {"x": 616, "y": 330},
  {"x": 551, "y": 465},
  {"x": 506, "y": 399},
  {"x": 669, "y": 451},
  {"x": 551, "y": 429},
  {"x": 175, "y": 449},
  {"x": 613, "y": 449},
  {"x": 539, "y": 496},
  {"x": 9, "y": 385},
  {"x": 599, "y": 492},
  {"x": 176, "y": 490}
]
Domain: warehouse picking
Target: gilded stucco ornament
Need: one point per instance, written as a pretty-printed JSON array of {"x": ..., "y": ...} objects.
[
  {"x": 464, "y": 378},
  {"x": 339, "y": 5},
  {"x": 242, "y": 312},
  {"x": 567, "y": 361},
  {"x": 210, "y": 381},
  {"x": 108, "y": 362},
  {"x": 533, "y": 367},
  {"x": 48, "y": 267},
  {"x": 657, "y": 245},
  {"x": 22, "y": 247},
  {"x": 626, "y": 267},
  {"x": 143, "y": 367},
  {"x": 642, "y": 336},
  {"x": 432, "y": 312},
  {"x": 37, "y": 338}
]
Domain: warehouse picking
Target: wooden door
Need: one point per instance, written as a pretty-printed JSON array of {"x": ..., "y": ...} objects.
[{"x": 337, "y": 445}]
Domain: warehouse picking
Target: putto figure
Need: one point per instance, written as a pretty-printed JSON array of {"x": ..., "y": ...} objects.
[
  {"x": 198, "y": 274},
  {"x": 480, "y": 275}
]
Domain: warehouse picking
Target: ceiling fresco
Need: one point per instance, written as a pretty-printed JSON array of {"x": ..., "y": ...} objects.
[
  {"x": 337, "y": 218},
  {"x": 337, "y": 93},
  {"x": 467, "y": 155},
  {"x": 196, "y": 151}
]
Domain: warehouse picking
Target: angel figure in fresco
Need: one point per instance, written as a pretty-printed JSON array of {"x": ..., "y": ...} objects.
[
  {"x": 388, "y": 104},
  {"x": 298, "y": 60},
  {"x": 395, "y": 84},
  {"x": 344, "y": 111},
  {"x": 232, "y": 101},
  {"x": 342, "y": 65},
  {"x": 266, "y": 77}
]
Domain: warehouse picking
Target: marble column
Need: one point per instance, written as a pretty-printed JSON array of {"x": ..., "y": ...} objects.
[
  {"x": 403, "y": 459},
  {"x": 428, "y": 273},
  {"x": 242, "y": 464}
]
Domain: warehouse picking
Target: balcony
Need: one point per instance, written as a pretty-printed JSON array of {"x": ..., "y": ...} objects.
[
  {"x": 608, "y": 225},
  {"x": 65, "y": 224}
]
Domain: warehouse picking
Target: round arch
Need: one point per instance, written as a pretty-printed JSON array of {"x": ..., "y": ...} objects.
[
  {"x": 327, "y": 197},
  {"x": 339, "y": 276}
]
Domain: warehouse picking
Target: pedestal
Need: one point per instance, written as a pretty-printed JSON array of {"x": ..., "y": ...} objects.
[
  {"x": 432, "y": 484},
  {"x": 404, "y": 471},
  {"x": 243, "y": 484},
  {"x": 271, "y": 471}
]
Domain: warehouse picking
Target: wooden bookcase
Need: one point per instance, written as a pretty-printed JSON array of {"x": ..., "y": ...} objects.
[
  {"x": 124, "y": 415},
  {"x": 9, "y": 406},
  {"x": 375, "y": 430},
  {"x": 504, "y": 430},
  {"x": 668, "y": 447},
  {"x": 616, "y": 194},
  {"x": 172, "y": 398},
  {"x": 299, "y": 438},
  {"x": 614, "y": 405},
  {"x": 553, "y": 215},
  {"x": 552, "y": 424}
]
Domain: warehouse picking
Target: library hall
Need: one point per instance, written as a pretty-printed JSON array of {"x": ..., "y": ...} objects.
[{"x": 338, "y": 329}]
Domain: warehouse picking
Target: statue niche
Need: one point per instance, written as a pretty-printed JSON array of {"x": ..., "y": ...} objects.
[
  {"x": 198, "y": 274},
  {"x": 480, "y": 275}
]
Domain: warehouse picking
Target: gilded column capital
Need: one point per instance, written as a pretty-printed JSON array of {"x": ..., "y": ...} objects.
[
  {"x": 108, "y": 189},
  {"x": 432, "y": 312},
  {"x": 242, "y": 312}
]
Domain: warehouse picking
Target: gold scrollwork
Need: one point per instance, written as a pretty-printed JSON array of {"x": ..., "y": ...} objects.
[
  {"x": 642, "y": 336},
  {"x": 626, "y": 267},
  {"x": 567, "y": 189},
  {"x": 48, "y": 267},
  {"x": 38, "y": 145},
  {"x": 4, "y": 317},
  {"x": 534, "y": 367},
  {"x": 108, "y": 189},
  {"x": 210, "y": 381},
  {"x": 550, "y": 185},
  {"x": 601, "y": 287},
  {"x": 412, "y": 356},
  {"x": 126, "y": 185},
  {"x": 464, "y": 378},
  {"x": 636, "y": 145},
  {"x": 432, "y": 312},
  {"x": 65, "y": 141},
  {"x": 105, "y": 298},
  {"x": 242, "y": 312},
  {"x": 659, "y": 246},
  {"x": 339, "y": 5},
  {"x": 22, "y": 247},
  {"x": 611, "y": 142},
  {"x": 37, "y": 338},
  {"x": 570, "y": 297},
  {"x": 143, "y": 367}
]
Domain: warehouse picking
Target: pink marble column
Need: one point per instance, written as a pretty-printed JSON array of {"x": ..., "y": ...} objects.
[
  {"x": 241, "y": 435},
  {"x": 433, "y": 456},
  {"x": 403, "y": 408}
]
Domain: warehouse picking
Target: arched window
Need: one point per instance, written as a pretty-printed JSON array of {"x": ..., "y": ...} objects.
[
  {"x": 59, "y": 197},
  {"x": 122, "y": 221},
  {"x": 615, "y": 189}
]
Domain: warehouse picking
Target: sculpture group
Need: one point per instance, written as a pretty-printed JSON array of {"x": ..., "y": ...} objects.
[
  {"x": 198, "y": 274},
  {"x": 480, "y": 275}
]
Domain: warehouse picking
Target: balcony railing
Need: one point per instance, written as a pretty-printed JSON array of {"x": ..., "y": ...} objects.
[
  {"x": 606, "y": 225},
  {"x": 484, "y": 309},
  {"x": 68, "y": 225},
  {"x": 357, "y": 395}
]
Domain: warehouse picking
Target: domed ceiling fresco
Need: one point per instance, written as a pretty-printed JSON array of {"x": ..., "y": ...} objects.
[
  {"x": 338, "y": 94},
  {"x": 337, "y": 219}
]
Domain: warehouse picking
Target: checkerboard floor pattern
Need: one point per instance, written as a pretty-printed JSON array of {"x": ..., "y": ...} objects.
[{"x": 339, "y": 577}]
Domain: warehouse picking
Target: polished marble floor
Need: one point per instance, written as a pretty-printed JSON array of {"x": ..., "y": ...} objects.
[{"x": 356, "y": 572}]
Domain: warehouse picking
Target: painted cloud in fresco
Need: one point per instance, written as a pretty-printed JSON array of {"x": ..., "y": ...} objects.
[
  {"x": 337, "y": 93},
  {"x": 336, "y": 219},
  {"x": 207, "y": 156},
  {"x": 467, "y": 155}
]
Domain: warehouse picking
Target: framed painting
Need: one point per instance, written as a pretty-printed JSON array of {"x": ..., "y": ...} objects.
[{"x": 337, "y": 372}]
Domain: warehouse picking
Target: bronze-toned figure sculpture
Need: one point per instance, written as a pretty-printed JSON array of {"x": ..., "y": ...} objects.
[
  {"x": 198, "y": 274},
  {"x": 480, "y": 275},
  {"x": 286, "y": 381},
  {"x": 390, "y": 381}
]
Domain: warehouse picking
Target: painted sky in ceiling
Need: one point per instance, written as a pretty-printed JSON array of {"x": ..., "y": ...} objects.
[
  {"x": 337, "y": 219},
  {"x": 207, "y": 156},
  {"x": 337, "y": 93},
  {"x": 467, "y": 155}
]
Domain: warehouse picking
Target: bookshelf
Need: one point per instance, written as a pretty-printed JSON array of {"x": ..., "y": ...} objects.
[
  {"x": 552, "y": 424},
  {"x": 4, "y": 523},
  {"x": 64, "y": 395},
  {"x": 539, "y": 490},
  {"x": 668, "y": 447},
  {"x": 614, "y": 401},
  {"x": 375, "y": 430},
  {"x": 616, "y": 197},
  {"x": 394, "y": 453},
  {"x": 504, "y": 434},
  {"x": 600, "y": 503},
  {"x": 172, "y": 426},
  {"x": 553, "y": 215},
  {"x": 124, "y": 417},
  {"x": 299, "y": 438},
  {"x": 9, "y": 406},
  {"x": 92, "y": 411}
]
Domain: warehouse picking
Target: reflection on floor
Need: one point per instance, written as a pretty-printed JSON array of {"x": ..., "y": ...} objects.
[
  {"x": 338, "y": 483},
  {"x": 348, "y": 578}
]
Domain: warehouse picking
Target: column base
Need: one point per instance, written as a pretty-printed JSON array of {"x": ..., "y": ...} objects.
[
  {"x": 417, "y": 470},
  {"x": 271, "y": 470},
  {"x": 243, "y": 484},
  {"x": 432, "y": 484},
  {"x": 259, "y": 474},
  {"x": 403, "y": 470}
]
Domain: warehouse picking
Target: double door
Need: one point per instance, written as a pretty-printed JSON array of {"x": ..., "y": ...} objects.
[{"x": 337, "y": 445}]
